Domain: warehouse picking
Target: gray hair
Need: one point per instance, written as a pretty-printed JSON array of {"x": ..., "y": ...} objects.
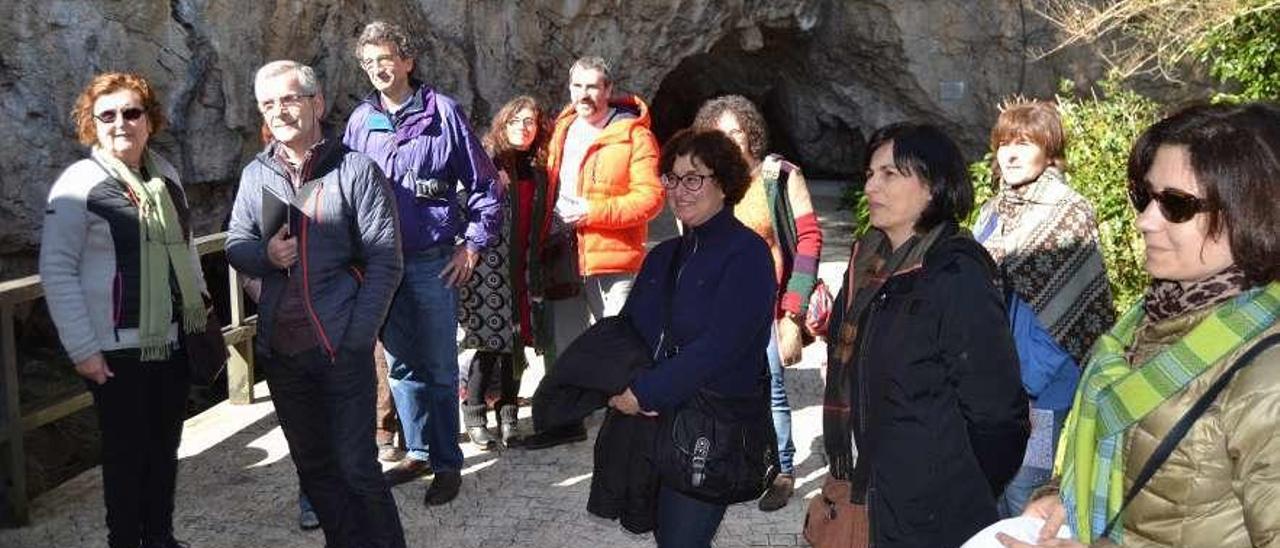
[
  {"x": 382, "y": 32},
  {"x": 593, "y": 62},
  {"x": 306, "y": 75}
]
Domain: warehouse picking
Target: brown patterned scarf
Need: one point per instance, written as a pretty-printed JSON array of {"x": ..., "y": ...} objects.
[
  {"x": 1167, "y": 299},
  {"x": 873, "y": 262}
]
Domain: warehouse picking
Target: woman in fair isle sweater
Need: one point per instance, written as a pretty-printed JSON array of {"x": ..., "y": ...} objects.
[{"x": 777, "y": 207}]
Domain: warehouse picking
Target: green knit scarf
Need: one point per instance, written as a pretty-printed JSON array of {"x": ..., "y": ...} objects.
[
  {"x": 163, "y": 248},
  {"x": 1114, "y": 396}
]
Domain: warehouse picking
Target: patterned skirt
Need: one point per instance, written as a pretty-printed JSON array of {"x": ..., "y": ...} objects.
[{"x": 485, "y": 304}]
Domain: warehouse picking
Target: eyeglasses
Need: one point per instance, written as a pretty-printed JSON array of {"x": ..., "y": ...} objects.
[
  {"x": 691, "y": 182},
  {"x": 521, "y": 122},
  {"x": 1176, "y": 206},
  {"x": 379, "y": 61},
  {"x": 129, "y": 114},
  {"x": 291, "y": 102}
]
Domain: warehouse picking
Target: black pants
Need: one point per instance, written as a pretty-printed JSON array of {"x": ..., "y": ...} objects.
[
  {"x": 326, "y": 411},
  {"x": 140, "y": 413},
  {"x": 487, "y": 368}
]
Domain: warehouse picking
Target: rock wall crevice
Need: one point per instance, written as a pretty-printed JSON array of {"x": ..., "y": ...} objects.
[{"x": 826, "y": 72}]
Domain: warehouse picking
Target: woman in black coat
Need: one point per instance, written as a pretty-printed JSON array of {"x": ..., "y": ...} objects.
[{"x": 923, "y": 373}]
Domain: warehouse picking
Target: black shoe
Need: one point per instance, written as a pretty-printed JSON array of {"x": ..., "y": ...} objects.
[
  {"x": 779, "y": 493},
  {"x": 444, "y": 488},
  {"x": 552, "y": 438},
  {"x": 407, "y": 470}
]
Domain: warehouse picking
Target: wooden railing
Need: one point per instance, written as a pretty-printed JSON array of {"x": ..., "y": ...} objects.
[{"x": 239, "y": 333}]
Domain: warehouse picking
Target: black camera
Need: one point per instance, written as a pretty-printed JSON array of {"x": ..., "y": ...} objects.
[{"x": 430, "y": 189}]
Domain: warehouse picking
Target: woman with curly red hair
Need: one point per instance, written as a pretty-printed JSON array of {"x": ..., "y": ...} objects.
[{"x": 122, "y": 279}]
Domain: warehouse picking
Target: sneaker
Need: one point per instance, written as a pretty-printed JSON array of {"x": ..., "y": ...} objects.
[
  {"x": 552, "y": 438},
  {"x": 308, "y": 520},
  {"x": 388, "y": 452},
  {"x": 779, "y": 493},
  {"x": 407, "y": 470},
  {"x": 444, "y": 488}
]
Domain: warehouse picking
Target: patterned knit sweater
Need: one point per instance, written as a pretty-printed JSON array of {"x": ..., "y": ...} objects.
[
  {"x": 1046, "y": 238},
  {"x": 796, "y": 269}
]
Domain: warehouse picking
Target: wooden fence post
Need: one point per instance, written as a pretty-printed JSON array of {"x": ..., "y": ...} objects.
[
  {"x": 11, "y": 430},
  {"x": 240, "y": 364}
]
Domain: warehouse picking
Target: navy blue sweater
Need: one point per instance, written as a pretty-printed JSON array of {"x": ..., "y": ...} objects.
[{"x": 720, "y": 317}]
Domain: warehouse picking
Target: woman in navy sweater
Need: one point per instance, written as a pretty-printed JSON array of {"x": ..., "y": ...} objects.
[{"x": 721, "y": 307}]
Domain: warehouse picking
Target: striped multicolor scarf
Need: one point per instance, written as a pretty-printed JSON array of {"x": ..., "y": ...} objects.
[{"x": 1113, "y": 396}]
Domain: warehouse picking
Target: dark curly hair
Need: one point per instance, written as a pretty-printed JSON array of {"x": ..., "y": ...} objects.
[
  {"x": 717, "y": 152},
  {"x": 749, "y": 118},
  {"x": 384, "y": 32}
]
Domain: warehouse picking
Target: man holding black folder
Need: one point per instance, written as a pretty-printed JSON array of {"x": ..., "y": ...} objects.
[
  {"x": 427, "y": 150},
  {"x": 317, "y": 223}
]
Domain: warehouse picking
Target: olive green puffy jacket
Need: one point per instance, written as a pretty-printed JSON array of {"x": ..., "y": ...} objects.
[{"x": 1221, "y": 485}]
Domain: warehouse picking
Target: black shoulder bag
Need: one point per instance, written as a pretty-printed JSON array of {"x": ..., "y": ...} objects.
[
  {"x": 1184, "y": 424},
  {"x": 717, "y": 448}
]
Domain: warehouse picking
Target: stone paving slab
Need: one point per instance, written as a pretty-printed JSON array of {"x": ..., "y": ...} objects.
[{"x": 237, "y": 487}]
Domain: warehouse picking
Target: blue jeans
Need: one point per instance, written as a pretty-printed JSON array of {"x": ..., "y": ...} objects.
[
  {"x": 1029, "y": 478},
  {"x": 685, "y": 522},
  {"x": 781, "y": 407},
  {"x": 420, "y": 338}
]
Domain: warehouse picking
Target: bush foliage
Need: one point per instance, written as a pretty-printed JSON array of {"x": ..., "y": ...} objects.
[
  {"x": 1246, "y": 51},
  {"x": 1100, "y": 130}
]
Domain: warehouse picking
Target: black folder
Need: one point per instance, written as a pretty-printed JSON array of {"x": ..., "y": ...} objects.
[{"x": 275, "y": 213}]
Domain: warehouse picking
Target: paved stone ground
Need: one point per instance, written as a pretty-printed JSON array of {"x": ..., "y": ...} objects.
[{"x": 237, "y": 486}]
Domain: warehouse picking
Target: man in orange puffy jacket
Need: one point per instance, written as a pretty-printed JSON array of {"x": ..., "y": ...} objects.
[{"x": 602, "y": 167}]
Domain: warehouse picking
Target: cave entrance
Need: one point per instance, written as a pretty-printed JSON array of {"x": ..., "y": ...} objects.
[{"x": 776, "y": 76}]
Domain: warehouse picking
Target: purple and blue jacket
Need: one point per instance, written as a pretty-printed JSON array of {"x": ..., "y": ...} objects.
[{"x": 430, "y": 139}]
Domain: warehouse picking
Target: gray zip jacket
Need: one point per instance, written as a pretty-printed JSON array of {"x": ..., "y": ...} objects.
[
  {"x": 89, "y": 258},
  {"x": 348, "y": 235}
]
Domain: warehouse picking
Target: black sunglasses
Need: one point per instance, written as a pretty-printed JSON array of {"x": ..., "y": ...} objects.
[
  {"x": 109, "y": 116},
  {"x": 1176, "y": 206}
]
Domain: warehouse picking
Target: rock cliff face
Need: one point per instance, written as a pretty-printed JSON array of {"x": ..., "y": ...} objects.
[{"x": 825, "y": 72}]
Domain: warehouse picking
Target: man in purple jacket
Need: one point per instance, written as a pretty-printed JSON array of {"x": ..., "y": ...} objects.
[{"x": 426, "y": 149}]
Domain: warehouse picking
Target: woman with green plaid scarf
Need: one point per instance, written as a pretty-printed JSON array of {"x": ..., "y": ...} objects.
[
  {"x": 1205, "y": 182},
  {"x": 122, "y": 281}
]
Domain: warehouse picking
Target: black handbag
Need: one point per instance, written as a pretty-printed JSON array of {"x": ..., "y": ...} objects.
[
  {"x": 719, "y": 449},
  {"x": 206, "y": 350}
]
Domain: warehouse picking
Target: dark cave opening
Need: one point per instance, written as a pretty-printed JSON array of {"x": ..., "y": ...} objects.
[{"x": 776, "y": 76}]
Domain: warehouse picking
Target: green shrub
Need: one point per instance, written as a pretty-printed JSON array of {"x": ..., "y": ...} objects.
[
  {"x": 1100, "y": 130},
  {"x": 1246, "y": 51}
]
